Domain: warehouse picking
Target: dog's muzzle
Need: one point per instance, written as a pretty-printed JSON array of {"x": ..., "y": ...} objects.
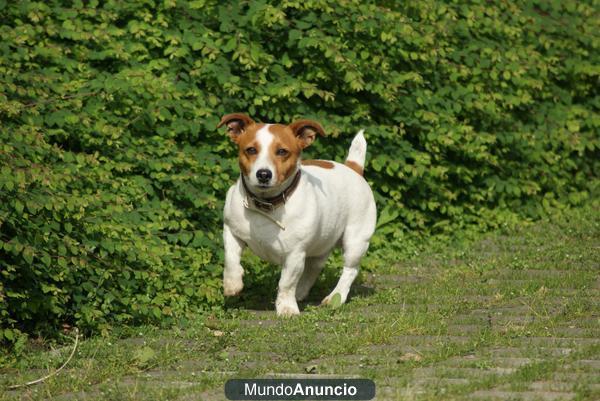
[{"x": 264, "y": 176}]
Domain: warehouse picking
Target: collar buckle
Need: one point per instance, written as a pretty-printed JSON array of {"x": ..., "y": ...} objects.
[{"x": 264, "y": 205}]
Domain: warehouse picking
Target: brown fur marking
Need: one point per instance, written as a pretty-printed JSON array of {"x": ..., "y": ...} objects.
[
  {"x": 355, "y": 166},
  {"x": 307, "y": 131},
  {"x": 244, "y": 140},
  {"x": 236, "y": 124},
  {"x": 284, "y": 138},
  {"x": 318, "y": 163}
]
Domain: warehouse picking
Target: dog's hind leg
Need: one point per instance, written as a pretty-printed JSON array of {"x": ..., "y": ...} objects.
[
  {"x": 312, "y": 268},
  {"x": 354, "y": 250}
]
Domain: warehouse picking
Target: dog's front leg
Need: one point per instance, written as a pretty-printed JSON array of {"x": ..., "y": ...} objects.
[
  {"x": 233, "y": 272},
  {"x": 291, "y": 273}
]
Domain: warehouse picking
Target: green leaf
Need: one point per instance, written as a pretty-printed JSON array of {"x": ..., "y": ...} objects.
[
  {"x": 9, "y": 334},
  {"x": 19, "y": 206},
  {"x": 46, "y": 259},
  {"x": 185, "y": 238},
  {"x": 336, "y": 301},
  {"x": 28, "y": 255},
  {"x": 230, "y": 45}
]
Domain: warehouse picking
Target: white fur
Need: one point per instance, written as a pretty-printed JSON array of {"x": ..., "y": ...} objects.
[
  {"x": 329, "y": 208},
  {"x": 358, "y": 149},
  {"x": 263, "y": 159}
]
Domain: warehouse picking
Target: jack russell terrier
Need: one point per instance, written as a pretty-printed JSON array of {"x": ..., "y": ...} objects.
[{"x": 293, "y": 212}]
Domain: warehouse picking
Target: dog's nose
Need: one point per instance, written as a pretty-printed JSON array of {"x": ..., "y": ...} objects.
[{"x": 264, "y": 175}]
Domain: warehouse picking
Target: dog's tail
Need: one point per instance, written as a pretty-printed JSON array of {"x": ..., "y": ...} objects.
[{"x": 357, "y": 153}]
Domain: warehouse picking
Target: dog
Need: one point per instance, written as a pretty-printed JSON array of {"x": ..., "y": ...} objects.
[{"x": 293, "y": 212}]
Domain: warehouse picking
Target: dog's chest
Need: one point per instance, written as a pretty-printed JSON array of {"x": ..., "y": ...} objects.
[
  {"x": 313, "y": 220},
  {"x": 263, "y": 237}
]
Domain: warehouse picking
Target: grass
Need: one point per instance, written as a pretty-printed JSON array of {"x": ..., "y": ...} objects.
[{"x": 512, "y": 313}]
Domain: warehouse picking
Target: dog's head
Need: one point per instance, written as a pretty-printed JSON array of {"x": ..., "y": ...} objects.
[{"x": 269, "y": 154}]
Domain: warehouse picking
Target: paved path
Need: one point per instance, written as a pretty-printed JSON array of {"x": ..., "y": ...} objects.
[{"x": 501, "y": 323}]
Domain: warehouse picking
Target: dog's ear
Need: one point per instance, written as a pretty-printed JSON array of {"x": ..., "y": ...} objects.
[
  {"x": 306, "y": 131},
  {"x": 236, "y": 124}
]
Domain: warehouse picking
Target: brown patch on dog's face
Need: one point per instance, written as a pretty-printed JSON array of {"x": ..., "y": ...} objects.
[
  {"x": 284, "y": 151},
  {"x": 318, "y": 163},
  {"x": 249, "y": 147}
]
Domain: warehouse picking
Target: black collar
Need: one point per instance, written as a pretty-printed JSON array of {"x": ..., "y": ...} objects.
[{"x": 270, "y": 204}]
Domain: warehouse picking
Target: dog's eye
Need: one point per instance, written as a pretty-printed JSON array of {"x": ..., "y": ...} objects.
[
  {"x": 251, "y": 151},
  {"x": 282, "y": 152}
]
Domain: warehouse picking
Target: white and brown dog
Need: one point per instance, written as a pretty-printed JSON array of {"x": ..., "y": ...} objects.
[{"x": 293, "y": 212}]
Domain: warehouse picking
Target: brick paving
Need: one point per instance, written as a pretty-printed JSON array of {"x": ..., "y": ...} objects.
[
  {"x": 479, "y": 373},
  {"x": 538, "y": 351}
]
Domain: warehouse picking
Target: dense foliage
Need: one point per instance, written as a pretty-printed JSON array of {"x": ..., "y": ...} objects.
[{"x": 112, "y": 174}]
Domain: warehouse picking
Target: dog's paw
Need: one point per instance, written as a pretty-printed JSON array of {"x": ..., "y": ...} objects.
[
  {"x": 286, "y": 309},
  {"x": 232, "y": 287}
]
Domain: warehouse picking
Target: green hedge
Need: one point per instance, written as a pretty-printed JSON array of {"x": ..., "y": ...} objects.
[{"x": 112, "y": 174}]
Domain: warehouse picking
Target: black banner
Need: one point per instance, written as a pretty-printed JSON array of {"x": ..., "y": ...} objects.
[{"x": 300, "y": 389}]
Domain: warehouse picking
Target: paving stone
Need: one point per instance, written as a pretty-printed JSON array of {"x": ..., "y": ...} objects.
[
  {"x": 491, "y": 319},
  {"x": 388, "y": 308},
  {"x": 538, "y": 351},
  {"x": 591, "y": 364},
  {"x": 158, "y": 378},
  {"x": 133, "y": 341},
  {"x": 233, "y": 352},
  {"x": 310, "y": 376},
  {"x": 459, "y": 329},
  {"x": 258, "y": 322},
  {"x": 203, "y": 366},
  {"x": 410, "y": 305},
  {"x": 549, "y": 385},
  {"x": 458, "y": 372},
  {"x": 394, "y": 280},
  {"x": 506, "y": 310},
  {"x": 534, "y": 273},
  {"x": 351, "y": 364},
  {"x": 261, "y": 313},
  {"x": 475, "y": 299},
  {"x": 408, "y": 392},
  {"x": 216, "y": 394},
  {"x": 592, "y": 322},
  {"x": 572, "y": 342},
  {"x": 79, "y": 396},
  {"x": 485, "y": 363},
  {"x": 587, "y": 377},
  {"x": 427, "y": 382},
  {"x": 396, "y": 349},
  {"x": 576, "y": 332},
  {"x": 504, "y": 282},
  {"x": 591, "y": 294},
  {"x": 430, "y": 340},
  {"x": 522, "y": 395}
]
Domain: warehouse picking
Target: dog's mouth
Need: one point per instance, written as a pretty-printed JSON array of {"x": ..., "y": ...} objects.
[{"x": 260, "y": 186}]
